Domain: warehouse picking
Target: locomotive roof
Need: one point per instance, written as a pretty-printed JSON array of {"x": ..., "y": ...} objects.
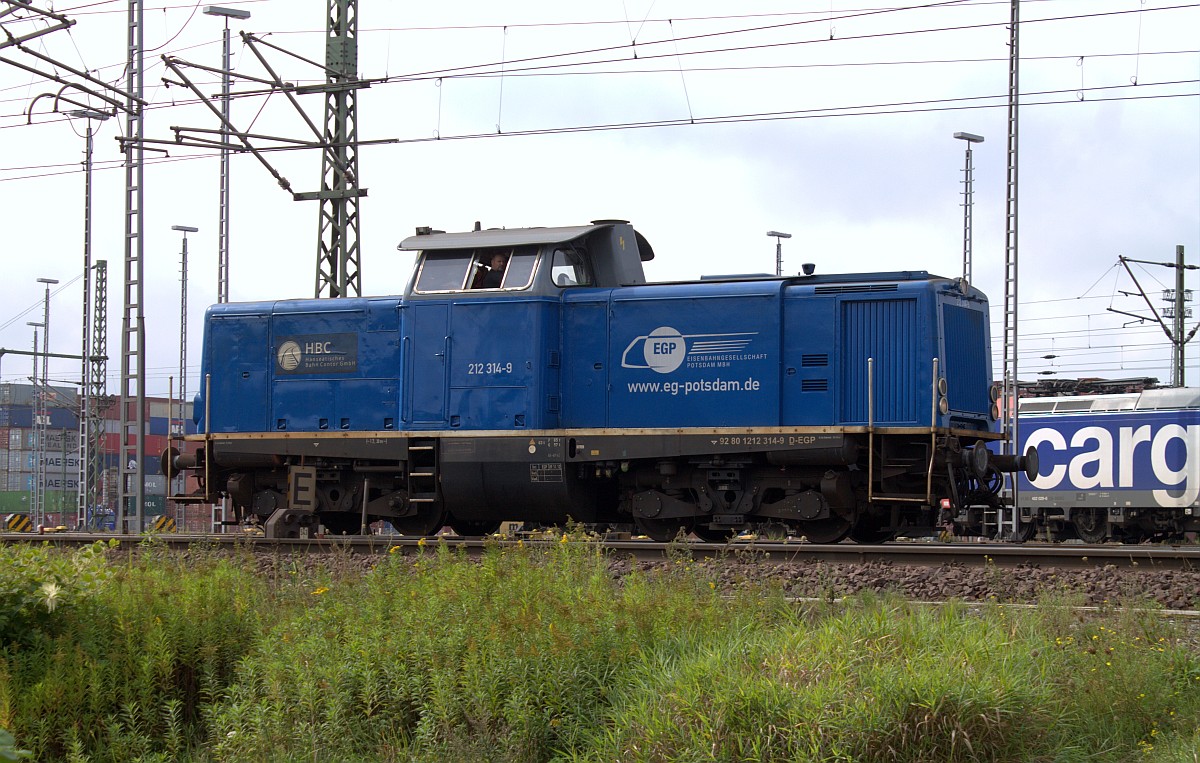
[
  {"x": 1148, "y": 400},
  {"x": 500, "y": 237}
]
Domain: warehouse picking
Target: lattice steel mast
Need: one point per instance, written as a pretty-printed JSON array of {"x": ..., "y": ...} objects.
[
  {"x": 97, "y": 387},
  {"x": 133, "y": 338},
  {"x": 87, "y": 432},
  {"x": 1009, "y": 405}
]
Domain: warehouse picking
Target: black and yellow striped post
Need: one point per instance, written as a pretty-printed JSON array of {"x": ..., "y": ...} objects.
[
  {"x": 18, "y": 523},
  {"x": 163, "y": 524}
]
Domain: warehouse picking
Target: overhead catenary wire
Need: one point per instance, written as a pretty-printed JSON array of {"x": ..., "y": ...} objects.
[{"x": 880, "y": 109}]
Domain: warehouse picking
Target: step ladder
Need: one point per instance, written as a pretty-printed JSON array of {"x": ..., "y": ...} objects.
[{"x": 423, "y": 471}]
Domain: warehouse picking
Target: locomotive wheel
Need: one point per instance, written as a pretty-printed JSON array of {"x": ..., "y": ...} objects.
[
  {"x": 474, "y": 526},
  {"x": 1091, "y": 524},
  {"x": 426, "y": 521},
  {"x": 830, "y": 530},
  {"x": 663, "y": 530}
]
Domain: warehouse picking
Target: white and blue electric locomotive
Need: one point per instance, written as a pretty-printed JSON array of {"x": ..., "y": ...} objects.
[
  {"x": 533, "y": 375},
  {"x": 1114, "y": 467}
]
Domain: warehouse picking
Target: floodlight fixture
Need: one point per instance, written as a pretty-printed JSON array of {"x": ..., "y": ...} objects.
[
  {"x": 968, "y": 200},
  {"x": 89, "y": 114},
  {"x": 229, "y": 13},
  {"x": 185, "y": 228},
  {"x": 778, "y": 236}
]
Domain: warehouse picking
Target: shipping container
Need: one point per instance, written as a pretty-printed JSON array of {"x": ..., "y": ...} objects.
[
  {"x": 22, "y": 416},
  {"x": 24, "y": 395},
  {"x": 62, "y": 501},
  {"x": 23, "y": 438},
  {"x": 153, "y": 505},
  {"x": 26, "y": 461},
  {"x": 14, "y": 501}
]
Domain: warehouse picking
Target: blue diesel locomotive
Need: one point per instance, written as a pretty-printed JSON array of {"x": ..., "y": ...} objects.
[{"x": 533, "y": 375}]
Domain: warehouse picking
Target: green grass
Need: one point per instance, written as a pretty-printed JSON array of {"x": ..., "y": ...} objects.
[{"x": 541, "y": 654}]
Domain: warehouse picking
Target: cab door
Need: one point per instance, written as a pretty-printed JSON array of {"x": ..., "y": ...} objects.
[{"x": 427, "y": 362}]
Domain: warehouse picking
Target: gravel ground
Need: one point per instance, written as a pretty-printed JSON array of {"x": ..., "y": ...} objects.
[{"x": 1025, "y": 584}]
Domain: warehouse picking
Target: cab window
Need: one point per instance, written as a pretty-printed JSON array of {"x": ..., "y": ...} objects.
[
  {"x": 520, "y": 269},
  {"x": 507, "y": 268},
  {"x": 443, "y": 271},
  {"x": 570, "y": 268}
]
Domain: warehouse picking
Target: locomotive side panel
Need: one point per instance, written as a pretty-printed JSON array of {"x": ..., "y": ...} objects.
[
  {"x": 334, "y": 369},
  {"x": 881, "y": 343},
  {"x": 503, "y": 364},
  {"x": 234, "y": 349},
  {"x": 695, "y": 355},
  {"x": 967, "y": 364},
  {"x": 585, "y": 359},
  {"x": 811, "y": 379}
]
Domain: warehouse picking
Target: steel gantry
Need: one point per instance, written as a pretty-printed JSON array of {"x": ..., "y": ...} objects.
[
  {"x": 338, "y": 272},
  {"x": 338, "y": 266}
]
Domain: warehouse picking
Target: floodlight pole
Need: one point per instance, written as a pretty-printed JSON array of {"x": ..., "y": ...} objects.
[
  {"x": 34, "y": 485},
  {"x": 86, "y": 426},
  {"x": 183, "y": 311},
  {"x": 778, "y": 249},
  {"x": 42, "y": 424},
  {"x": 968, "y": 200}
]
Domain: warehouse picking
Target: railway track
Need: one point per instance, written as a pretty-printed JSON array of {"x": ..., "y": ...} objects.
[{"x": 914, "y": 553}]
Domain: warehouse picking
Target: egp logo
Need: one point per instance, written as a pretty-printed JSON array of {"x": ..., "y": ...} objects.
[
  {"x": 288, "y": 356},
  {"x": 665, "y": 349},
  {"x": 1139, "y": 456}
]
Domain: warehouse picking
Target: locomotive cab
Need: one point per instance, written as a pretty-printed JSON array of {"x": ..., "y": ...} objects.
[{"x": 537, "y": 261}]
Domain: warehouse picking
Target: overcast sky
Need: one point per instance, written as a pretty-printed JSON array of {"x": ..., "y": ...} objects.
[{"x": 831, "y": 120}]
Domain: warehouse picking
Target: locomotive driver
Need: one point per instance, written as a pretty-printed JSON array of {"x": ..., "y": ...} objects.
[{"x": 495, "y": 276}]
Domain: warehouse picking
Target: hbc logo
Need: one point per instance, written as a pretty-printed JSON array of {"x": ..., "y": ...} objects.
[{"x": 289, "y": 356}]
